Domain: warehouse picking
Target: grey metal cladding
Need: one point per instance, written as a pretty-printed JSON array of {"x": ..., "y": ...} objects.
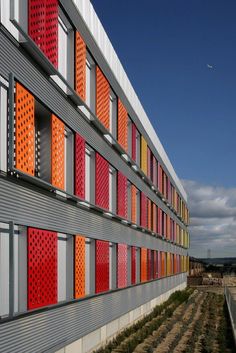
[
  {"x": 50, "y": 330},
  {"x": 14, "y": 61},
  {"x": 27, "y": 206},
  {"x": 82, "y": 27}
]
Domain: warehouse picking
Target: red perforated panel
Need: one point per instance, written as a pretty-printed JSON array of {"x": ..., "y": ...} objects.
[
  {"x": 143, "y": 209},
  {"x": 133, "y": 265},
  {"x": 134, "y": 132},
  {"x": 42, "y": 268},
  {"x": 102, "y": 182},
  {"x": 149, "y": 264},
  {"x": 159, "y": 221},
  {"x": 79, "y": 166},
  {"x": 121, "y": 195},
  {"x": 43, "y": 27},
  {"x": 102, "y": 266},
  {"x": 79, "y": 266},
  {"x": 155, "y": 264},
  {"x": 121, "y": 265}
]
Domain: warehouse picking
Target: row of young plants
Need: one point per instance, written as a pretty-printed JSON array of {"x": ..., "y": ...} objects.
[
  {"x": 168, "y": 334},
  {"x": 129, "y": 338}
]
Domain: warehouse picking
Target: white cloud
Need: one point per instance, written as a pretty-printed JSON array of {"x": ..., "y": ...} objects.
[{"x": 213, "y": 219}]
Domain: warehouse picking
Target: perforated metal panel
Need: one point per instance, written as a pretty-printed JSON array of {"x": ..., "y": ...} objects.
[
  {"x": 155, "y": 265},
  {"x": 42, "y": 268},
  {"x": 133, "y": 204},
  {"x": 134, "y": 133},
  {"x": 58, "y": 152},
  {"x": 154, "y": 217},
  {"x": 159, "y": 221},
  {"x": 43, "y": 27},
  {"x": 122, "y": 126},
  {"x": 121, "y": 265},
  {"x": 24, "y": 131},
  {"x": 163, "y": 264},
  {"x": 102, "y": 98},
  {"x": 79, "y": 266},
  {"x": 133, "y": 264},
  {"x": 102, "y": 182},
  {"x": 149, "y": 214},
  {"x": 149, "y": 264},
  {"x": 102, "y": 266},
  {"x": 143, "y": 259},
  {"x": 144, "y": 155},
  {"x": 121, "y": 195},
  {"x": 80, "y": 66},
  {"x": 79, "y": 166},
  {"x": 143, "y": 209}
]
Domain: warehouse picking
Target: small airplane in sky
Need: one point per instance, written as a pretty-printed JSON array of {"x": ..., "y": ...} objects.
[{"x": 209, "y": 66}]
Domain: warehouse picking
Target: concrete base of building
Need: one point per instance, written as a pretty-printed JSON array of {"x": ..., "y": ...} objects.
[{"x": 103, "y": 335}]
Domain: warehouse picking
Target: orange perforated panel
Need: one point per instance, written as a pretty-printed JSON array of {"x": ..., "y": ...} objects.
[
  {"x": 122, "y": 126},
  {"x": 163, "y": 264},
  {"x": 143, "y": 259},
  {"x": 25, "y": 131},
  {"x": 103, "y": 98},
  {"x": 58, "y": 152},
  {"x": 133, "y": 204},
  {"x": 79, "y": 266},
  {"x": 80, "y": 66}
]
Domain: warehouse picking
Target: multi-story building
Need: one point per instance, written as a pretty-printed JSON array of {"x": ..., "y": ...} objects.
[{"x": 93, "y": 218}]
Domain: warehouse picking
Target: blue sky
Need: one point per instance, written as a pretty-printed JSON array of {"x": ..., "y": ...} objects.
[{"x": 165, "y": 47}]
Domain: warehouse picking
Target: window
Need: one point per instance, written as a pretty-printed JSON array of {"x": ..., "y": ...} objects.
[
  {"x": 112, "y": 189},
  {"x": 3, "y": 124},
  {"x": 90, "y": 83},
  {"x": 89, "y": 174},
  {"x": 113, "y": 114},
  {"x": 4, "y": 269},
  {"x": 65, "y": 51},
  {"x": 65, "y": 267},
  {"x": 129, "y": 200}
]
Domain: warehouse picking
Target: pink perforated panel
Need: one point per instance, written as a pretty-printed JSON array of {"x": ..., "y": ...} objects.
[
  {"x": 121, "y": 265},
  {"x": 133, "y": 265},
  {"x": 102, "y": 266},
  {"x": 102, "y": 182},
  {"x": 42, "y": 268},
  {"x": 143, "y": 209},
  {"x": 121, "y": 195},
  {"x": 79, "y": 166}
]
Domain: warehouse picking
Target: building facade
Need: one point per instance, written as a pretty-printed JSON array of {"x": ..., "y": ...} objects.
[{"x": 93, "y": 218}]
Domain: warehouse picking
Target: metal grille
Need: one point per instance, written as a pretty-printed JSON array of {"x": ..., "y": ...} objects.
[
  {"x": 121, "y": 265},
  {"x": 42, "y": 268},
  {"x": 80, "y": 66},
  {"x": 102, "y": 266},
  {"x": 43, "y": 27},
  {"x": 121, "y": 195},
  {"x": 143, "y": 218},
  {"x": 58, "y": 152},
  {"x": 102, "y": 182},
  {"x": 144, "y": 155},
  {"x": 25, "y": 131},
  {"x": 134, "y": 133},
  {"x": 79, "y": 166},
  {"x": 133, "y": 265},
  {"x": 102, "y": 98},
  {"x": 133, "y": 204},
  {"x": 122, "y": 126},
  {"x": 79, "y": 266},
  {"x": 143, "y": 264}
]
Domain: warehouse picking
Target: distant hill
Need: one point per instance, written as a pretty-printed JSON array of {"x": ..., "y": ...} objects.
[{"x": 220, "y": 260}]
